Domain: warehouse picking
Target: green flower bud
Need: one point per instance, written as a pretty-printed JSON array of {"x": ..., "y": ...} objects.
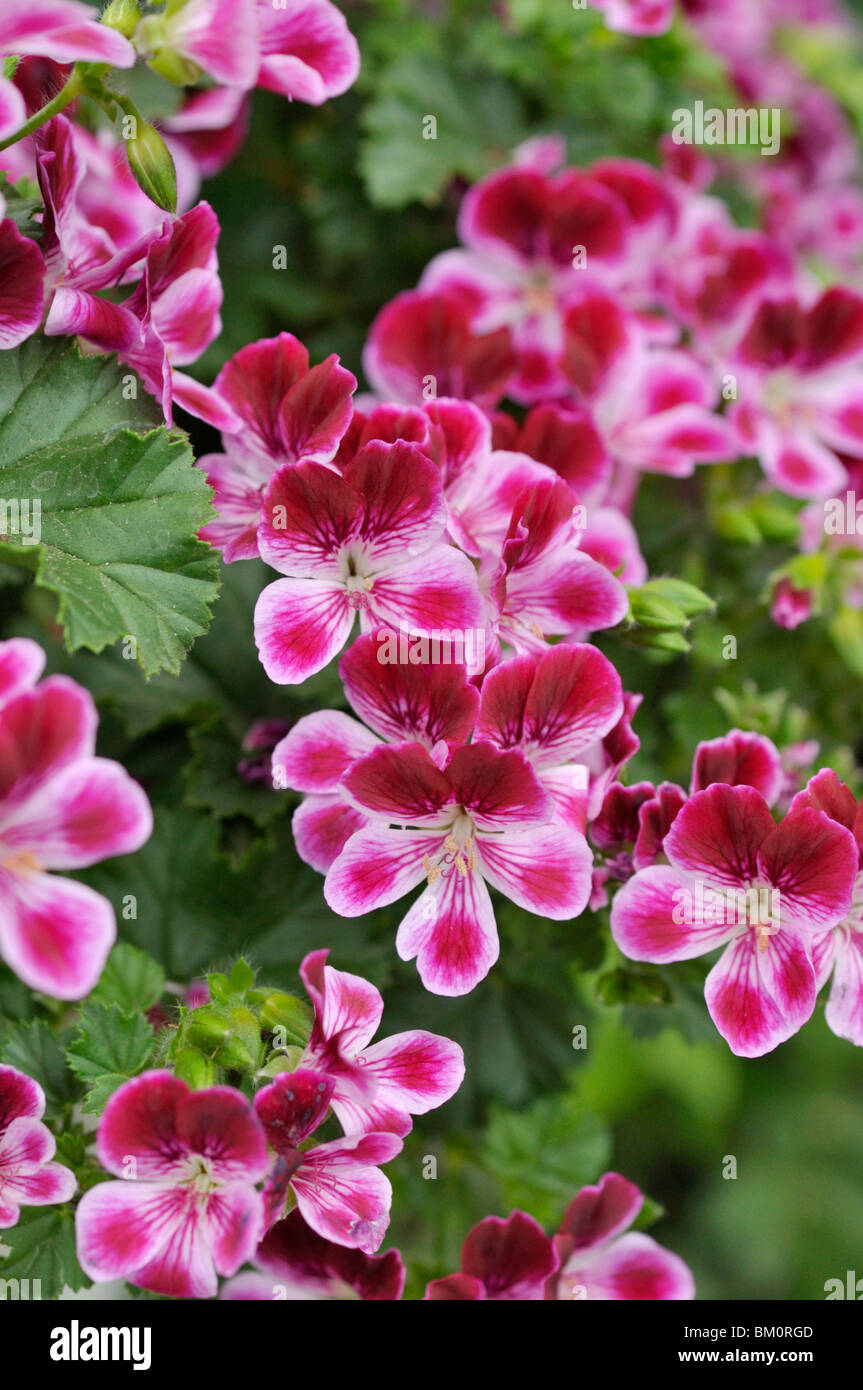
[
  {"x": 122, "y": 15},
  {"x": 654, "y": 611},
  {"x": 194, "y": 1068},
  {"x": 151, "y": 164},
  {"x": 290, "y": 1015}
]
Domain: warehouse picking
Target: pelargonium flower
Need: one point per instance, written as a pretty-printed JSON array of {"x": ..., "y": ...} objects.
[
  {"x": 599, "y": 1262},
  {"x": 22, "y": 280},
  {"x": 369, "y": 542},
  {"x": 484, "y": 818},
  {"x": 217, "y": 37},
  {"x": 61, "y": 807},
  {"x": 543, "y": 584},
  {"x": 764, "y": 891},
  {"x": 338, "y": 1186},
  {"x": 294, "y": 1262},
  {"x": 422, "y": 345},
  {"x": 554, "y": 707},
  {"x": 800, "y": 389},
  {"x": 500, "y": 1261},
  {"x": 288, "y": 412},
  {"x": 185, "y": 1206},
  {"x": 376, "y": 1086},
  {"x": 840, "y": 951},
  {"x": 64, "y": 30},
  {"x": 435, "y": 705},
  {"x": 565, "y": 438},
  {"x": 28, "y": 1177}
]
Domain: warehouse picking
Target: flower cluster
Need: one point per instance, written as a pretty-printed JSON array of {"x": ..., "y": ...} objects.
[{"x": 201, "y": 1176}]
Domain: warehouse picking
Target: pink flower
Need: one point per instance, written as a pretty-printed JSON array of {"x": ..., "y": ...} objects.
[
  {"x": 599, "y": 1262},
  {"x": 369, "y": 542},
  {"x": 544, "y": 585},
  {"x": 565, "y": 438},
  {"x": 500, "y": 1261},
  {"x": 790, "y": 606},
  {"x": 376, "y": 1086},
  {"x": 63, "y": 30},
  {"x": 288, "y": 412},
  {"x": 307, "y": 50},
  {"x": 485, "y": 817},
  {"x": 338, "y": 1186},
  {"x": 764, "y": 891},
  {"x": 644, "y": 18},
  {"x": 187, "y": 1207},
  {"x": 800, "y": 390},
  {"x": 840, "y": 951},
  {"x": 218, "y": 36},
  {"x": 22, "y": 278},
  {"x": 294, "y": 1262},
  {"x": 61, "y": 807},
  {"x": 432, "y": 704},
  {"x": 27, "y": 1176},
  {"x": 422, "y": 345},
  {"x": 554, "y": 707}
]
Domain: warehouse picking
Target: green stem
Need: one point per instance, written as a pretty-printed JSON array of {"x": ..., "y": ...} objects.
[{"x": 67, "y": 93}]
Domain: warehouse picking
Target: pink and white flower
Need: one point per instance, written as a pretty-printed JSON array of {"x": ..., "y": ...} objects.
[
  {"x": 185, "y": 1207},
  {"x": 370, "y": 542},
  {"x": 376, "y": 1086},
  {"x": 294, "y": 1262},
  {"x": 725, "y": 854},
  {"x": 28, "y": 1177},
  {"x": 308, "y": 53},
  {"x": 484, "y": 818},
  {"x": 61, "y": 807},
  {"x": 288, "y": 412},
  {"x": 64, "y": 30},
  {"x": 22, "y": 281},
  {"x": 599, "y": 1262}
]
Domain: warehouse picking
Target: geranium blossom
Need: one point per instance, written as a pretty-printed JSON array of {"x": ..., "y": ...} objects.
[
  {"x": 61, "y": 807},
  {"x": 185, "y": 1206},
  {"x": 500, "y": 1261},
  {"x": 370, "y": 542},
  {"x": 598, "y": 1261},
  {"x": 294, "y": 1262},
  {"x": 63, "y": 30},
  {"x": 376, "y": 1086},
  {"x": 722, "y": 847},
  {"x": 28, "y": 1177},
  {"x": 485, "y": 817}
]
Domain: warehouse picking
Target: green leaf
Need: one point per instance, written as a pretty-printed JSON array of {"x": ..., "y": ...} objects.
[
  {"x": 119, "y": 510},
  {"x": 131, "y": 979},
  {"x": 478, "y": 119},
  {"x": 42, "y": 1246},
  {"x": 34, "y": 1049},
  {"x": 110, "y": 1047}
]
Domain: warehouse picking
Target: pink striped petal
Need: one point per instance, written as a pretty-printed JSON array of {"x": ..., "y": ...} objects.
[
  {"x": 307, "y": 50},
  {"x": 452, "y": 933},
  {"x": 378, "y": 866},
  {"x": 403, "y": 510},
  {"x": 51, "y": 1184},
  {"x": 649, "y": 917},
  {"x": 300, "y": 625},
  {"x": 737, "y": 758},
  {"x": 413, "y": 1073},
  {"x": 719, "y": 832},
  {"x": 759, "y": 998},
  {"x": 220, "y": 36},
  {"x": 20, "y": 1096},
  {"x": 546, "y": 870},
  {"x": 632, "y": 1268},
  {"x": 22, "y": 277},
  {"x": 813, "y": 862},
  {"x": 434, "y": 592},
  {"x": 63, "y": 30},
  {"x": 91, "y": 810},
  {"x": 844, "y": 1012},
  {"x": 433, "y": 703},
  {"x": 314, "y": 755},
  {"x": 600, "y": 1213},
  {"x": 511, "y": 1259},
  {"x": 321, "y": 827},
  {"x": 25, "y": 1145},
  {"x": 55, "y": 934},
  {"x": 347, "y": 1007},
  {"x": 400, "y": 782},
  {"x": 309, "y": 515},
  {"x": 341, "y": 1192}
]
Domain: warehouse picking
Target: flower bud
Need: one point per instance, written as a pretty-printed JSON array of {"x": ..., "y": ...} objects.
[
  {"x": 122, "y": 15},
  {"x": 654, "y": 611},
  {"x": 194, "y": 1068},
  {"x": 152, "y": 165},
  {"x": 289, "y": 1014}
]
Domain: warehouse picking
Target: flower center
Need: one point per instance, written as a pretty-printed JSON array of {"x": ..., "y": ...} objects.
[
  {"x": 199, "y": 1175},
  {"x": 22, "y": 862},
  {"x": 458, "y": 853}
]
